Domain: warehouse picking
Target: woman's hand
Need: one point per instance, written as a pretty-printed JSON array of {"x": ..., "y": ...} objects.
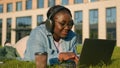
[{"x": 63, "y": 56}]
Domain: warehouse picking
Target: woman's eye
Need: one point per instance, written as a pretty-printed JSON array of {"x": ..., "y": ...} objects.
[{"x": 62, "y": 24}]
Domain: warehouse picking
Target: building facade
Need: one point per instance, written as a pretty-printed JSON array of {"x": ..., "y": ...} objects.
[{"x": 93, "y": 18}]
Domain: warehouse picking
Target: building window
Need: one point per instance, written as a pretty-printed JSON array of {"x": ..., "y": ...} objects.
[
  {"x": 23, "y": 27},
  {"x": 0, "y": 31},
  {"x": 40, "y": 3},
  {"x": 39, "y": 19},
  {"x": 18, "y": 6},
  {"x": 1, "y": 8},
  {"x": 78, "y": 17},
  {"x": 9, "y": 21},
  {"x": 111, "y": 23},
  {"x": 93, "y": 20},
  {"x": 51, "y": 3},
  {"x": 93, "y": 0},
  {"x": 28, "y": 4},
  {"x": 65, "y": 2},
  {"x": 78, "y": 1},
  {"x": 9, "y": 7}
]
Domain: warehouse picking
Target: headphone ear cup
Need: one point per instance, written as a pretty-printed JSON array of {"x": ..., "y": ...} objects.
[{"x": 49, "y": 25}]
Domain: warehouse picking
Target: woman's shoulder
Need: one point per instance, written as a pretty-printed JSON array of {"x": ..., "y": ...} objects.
[
  {"x": 71, "y": 35},
  {"x": 40, "y": 28}
]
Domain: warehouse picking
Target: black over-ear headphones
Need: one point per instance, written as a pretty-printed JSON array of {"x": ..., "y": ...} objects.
[{"x": 49, "y": 23}]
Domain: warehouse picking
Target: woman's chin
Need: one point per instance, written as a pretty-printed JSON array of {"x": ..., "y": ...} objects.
[{"x": 63, "y": 36}]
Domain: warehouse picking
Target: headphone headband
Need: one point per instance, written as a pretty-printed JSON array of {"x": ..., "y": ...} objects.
[{"x": 55, "y": 11}]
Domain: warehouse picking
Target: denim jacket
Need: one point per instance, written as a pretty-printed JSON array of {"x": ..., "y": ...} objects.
[{"x": 40, "y": 40}]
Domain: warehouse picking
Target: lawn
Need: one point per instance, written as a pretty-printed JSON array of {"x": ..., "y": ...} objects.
[{"x": 21, "y": 64}]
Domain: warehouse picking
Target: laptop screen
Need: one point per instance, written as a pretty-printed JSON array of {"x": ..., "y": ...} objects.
[{"x": 96, "y": 51}]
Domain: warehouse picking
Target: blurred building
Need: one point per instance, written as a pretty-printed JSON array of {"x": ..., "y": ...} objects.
[{"x": 93, "y": 18}]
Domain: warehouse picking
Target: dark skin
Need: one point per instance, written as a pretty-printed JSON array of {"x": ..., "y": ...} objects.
[
  {"x": 62, "y": 20},
  {"x": 60, "y": 31}
]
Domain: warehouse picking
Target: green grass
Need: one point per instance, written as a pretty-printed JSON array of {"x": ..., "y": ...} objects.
[{"x": 21, "y": 64}]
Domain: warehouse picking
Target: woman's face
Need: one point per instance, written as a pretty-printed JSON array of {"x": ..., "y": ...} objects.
[{"x": 63, "y": 24}]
